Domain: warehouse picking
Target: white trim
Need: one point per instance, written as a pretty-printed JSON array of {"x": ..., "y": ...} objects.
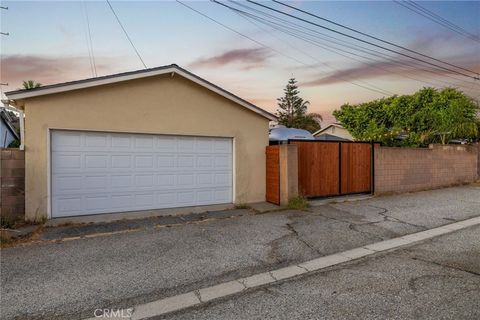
[
  {"x": 234, "y": 171},
  {"x": 148, "y": 73},
  {"x": 49, "y": 173}
]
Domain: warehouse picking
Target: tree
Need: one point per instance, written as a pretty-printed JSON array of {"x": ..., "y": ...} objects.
[
  {"x": 427, "y": 116},
  {"x": 30, "y": 84},
  {"x": 292, "y": 110}
]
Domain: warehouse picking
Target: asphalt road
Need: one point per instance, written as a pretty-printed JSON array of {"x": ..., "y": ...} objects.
[
  {"x": 438, "y": 279},
  {"x": 69, "y": 280}
]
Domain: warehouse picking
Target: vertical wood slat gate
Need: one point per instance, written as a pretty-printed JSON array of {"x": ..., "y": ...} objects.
[
  {"x": 272, "y": 155},
  {"x": 334, "y": 168}
]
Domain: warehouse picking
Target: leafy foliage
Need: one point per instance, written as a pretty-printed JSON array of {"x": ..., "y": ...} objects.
[
  {"x": 428, "y": 116},
  {"x": 298, "y": 203},
  {"x": 292, "y": 110},
  {"x": 30, "y": 84}
]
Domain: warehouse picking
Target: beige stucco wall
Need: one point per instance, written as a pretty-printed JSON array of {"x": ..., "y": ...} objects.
[{"x": 158, "y": 105}]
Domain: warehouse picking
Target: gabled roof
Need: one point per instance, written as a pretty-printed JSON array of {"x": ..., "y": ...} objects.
[
  {"x": 4, "y": 117},
  {"x": 337, "y": 125},
  {"x": 119, "y": 77}
]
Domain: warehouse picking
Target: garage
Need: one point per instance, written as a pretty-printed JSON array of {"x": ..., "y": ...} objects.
[
  {"x": 139, "y": 142},
  {"x": 97, "y": 172}
]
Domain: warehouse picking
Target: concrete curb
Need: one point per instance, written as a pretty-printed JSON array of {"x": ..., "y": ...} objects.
[{"x": 201, "y": 296}]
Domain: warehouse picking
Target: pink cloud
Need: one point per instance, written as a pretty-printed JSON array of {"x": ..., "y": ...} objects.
[
  {"x": 250, "y": 58},
  {"x": 47, "y": 70}
]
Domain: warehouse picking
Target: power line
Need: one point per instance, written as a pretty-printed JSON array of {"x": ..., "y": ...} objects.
[
  {"x": 376, "y": 89},
  {"x": 371, "y": 87},
  {"x": 284, "y": 24},
  {"x": 263, "y": 45},
  {"x": 418, "y": 9},
  {"x": 88, "y": 36},
  {"x": 245, "y": 15},
  {"x": 365, "y": 41},
  {"x": 126, "y": 34},
  {"x": 369, "y": 36},
  {"x": 241, "y": 34}
]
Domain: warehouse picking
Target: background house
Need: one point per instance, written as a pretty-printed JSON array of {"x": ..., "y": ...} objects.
[
  {"x": 335, "y": 132},
  {"x": 7, "y": 129}
]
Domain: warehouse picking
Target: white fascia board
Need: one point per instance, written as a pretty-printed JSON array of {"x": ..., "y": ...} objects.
[{"x": 114, "y": 79}]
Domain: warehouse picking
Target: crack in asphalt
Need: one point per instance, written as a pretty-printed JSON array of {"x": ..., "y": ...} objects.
[
  {"x": 303, "y": 268},
  {"x": 271, "y": 275},
  {"x": 446, "y": 266},
  {"x": 353, "y": 227},
  {"x": 199, "y": 297},
  {"x": 291, "y": 228},
  {"x": 386, "y": 217},
  {"x": 242, "y": 282}
]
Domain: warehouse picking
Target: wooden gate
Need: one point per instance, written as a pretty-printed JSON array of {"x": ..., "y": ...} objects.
[
  {"x": 272, "y": 193},
  {"x": 332, "y": 168}
]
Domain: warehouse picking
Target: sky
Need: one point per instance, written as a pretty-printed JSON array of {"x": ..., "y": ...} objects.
[{"x": 49, "y": 42}]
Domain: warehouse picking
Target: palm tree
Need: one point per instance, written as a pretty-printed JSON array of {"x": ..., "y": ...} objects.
[{"x": 30, "y": 84}]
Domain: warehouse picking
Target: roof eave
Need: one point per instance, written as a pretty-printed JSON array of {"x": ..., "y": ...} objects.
[{"x": 26, "y": 94}]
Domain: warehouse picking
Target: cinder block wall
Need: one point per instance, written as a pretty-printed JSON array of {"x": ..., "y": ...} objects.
[
  {"x": 12, "y": 184},
  {"x": 415, "y": 169}
]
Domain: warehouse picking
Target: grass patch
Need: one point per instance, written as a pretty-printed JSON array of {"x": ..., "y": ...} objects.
[
  {"x": 6, "y": 223},
  {"x": 298, "y": 203},
  {"x": 242, "y": 206}
]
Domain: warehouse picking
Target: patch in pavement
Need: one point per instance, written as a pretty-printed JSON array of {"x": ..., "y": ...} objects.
[{"x": 53, "y": 233}]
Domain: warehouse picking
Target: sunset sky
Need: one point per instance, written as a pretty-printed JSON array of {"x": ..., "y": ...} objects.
[{"x": 48, "y": 43}]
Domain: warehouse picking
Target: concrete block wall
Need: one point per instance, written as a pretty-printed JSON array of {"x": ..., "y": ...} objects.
[
  {"x": 415, "y": 169},
  {"x": 12, "y": 184}
]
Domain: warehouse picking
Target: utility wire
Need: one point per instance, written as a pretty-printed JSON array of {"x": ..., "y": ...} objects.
[
  {"x": 377, "y": 89},
  {"x": 424, "y": 12},
  {"x": 283, "y": 24},
  {"x": 263, "y": 45},
  {"x": 241, "y": 34},
  {"x": 433, "y": 14},
  {"x": 370, "y": 36},
  {"x": 126, "y": 33},
  {"x": 88, "y": 35},
  {"x": 366, "y": 85},
  {"x": 365, "y": 41}
]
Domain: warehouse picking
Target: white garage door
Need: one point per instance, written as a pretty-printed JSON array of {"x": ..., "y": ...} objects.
[{"x": 96, "y": 172}]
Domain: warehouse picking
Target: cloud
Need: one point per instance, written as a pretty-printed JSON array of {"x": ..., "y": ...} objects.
[
  {"x": 442, "y": 45},
  {"x": 249, "y": 58},
  {"x": 47, "y": 69},
  {"x": 393, "y": 69}
]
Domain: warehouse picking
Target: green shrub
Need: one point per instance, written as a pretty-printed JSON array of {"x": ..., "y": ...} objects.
[{"x": 298, "y": 203}]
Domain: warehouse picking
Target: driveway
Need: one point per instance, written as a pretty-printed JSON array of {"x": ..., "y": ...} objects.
[
  {"x": 70, "y": 279},
  {"x": 439, "y": 279}
]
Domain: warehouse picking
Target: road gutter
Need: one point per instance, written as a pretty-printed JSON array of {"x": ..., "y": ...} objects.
[{"x": 204, "y": 295}]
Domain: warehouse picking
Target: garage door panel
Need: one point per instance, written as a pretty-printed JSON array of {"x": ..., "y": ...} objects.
[
  {"x": 66, "y": 162},
  {"x": 144, "y": 162},
  {"x": 69, "y": 141},
  {"x": 96, "y": 141},
  {"x": 143, "y": 142},
  {"x": 121, "y": 142},
  {"x": 69, "y": 205},
  {"x": 108, "y": 172},
  {"x": 121, "y": 201}
]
